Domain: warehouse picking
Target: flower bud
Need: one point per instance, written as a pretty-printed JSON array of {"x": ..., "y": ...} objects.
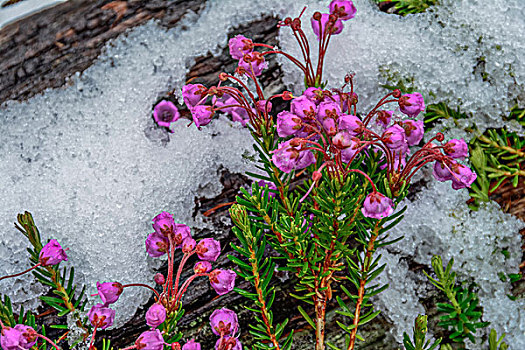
[
  {"x": 208, "y": 249},
  {"x": 192, "y": 94},
  {"x": 384, "y": 118},
  {"x": 223, "y": 281},
  {"x": 303, "y": 108},
  {"x": 239, "y": 46},
  {"x": 150, "y": 340},
  {"x": 287, "y": 96},
  {"x": 343, "y": 9},
  {"x": 165, "y": 112},
  {"x": 163, "y": 223},
  {"x": 224, "y": 322},
  {"x": 18, "y": 337},
  {"x": 335, "y": 27},
  {"x": 188, "y": 245},
  {"x": 394, "y": 137},
  {"x": 159, "y": 279},
  {"x": 155, "y": 315},
  {"x": 377, "y": 206},
  {"x": 414, "y": 131},
  {"x": 201, "y": 115},
  {"x": 253, "y": 63},
  {"x": 192, "y": 345},
  {"x": 456, "y": 149},
  {"x": 202, "y": 267},
  {"x": 411, "y": 104},
  {"x": 109, "y": 292},
  {"x": 52, "y": 254},
  {"x": 316, "y": 176},
  {"x": 342, "y": 139},
  {"x": 101, "y": 317},
  {"x": 156, "y": 245}
]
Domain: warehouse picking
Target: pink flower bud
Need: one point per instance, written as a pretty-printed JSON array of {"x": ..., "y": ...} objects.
[
  {"x": 201, "y": 115},
  {"x": 456, "y": 149},
  {"x": 202, "y": 267},
  {"x": 223, "y": 281},
  {"x": 462, "y": 176},
  {"x": 412, "y": 104},
  {"x": 303, "y": 107},
  {"x": 101, "y": 317},
  {"x": 336, "y": 28},
  {"x": 229, "y": 343},
  {"x": 155, "y": 315},
  {"x": 156, "y": 245},
  {"x": 377, "y": 206},
  {"x": 192, "y": 345},
  {"x": 159, "y": 279},
  {"x": 188, "y": 245},
  {"x": 350, "y": 123},
  {"x": 150, "y": 340},
  {"x": 314, "y": 94},
  {"x": 342, "y": 139},
  {"x": 287, "y": 124},
  {"x": 253, "y": 63},
  {"x": 52, "y": 254},
  {"x": 17, "y": 338},
  {"x": 165, "y": 112},
  {"x": 240, "y": 46},
  {"x": 414, "y": 131},
  {"x": 329, "y": 126},
  {"x": 343, "y": 9},
  {"x": 384, "y": 118},
  {"x": 328, "y": 109},
  {"x": 224, "y": 322},
  {"x": 394, "y": 137},
  {"x": 208, "y": 249},
  {"x": 109, "y": 292},
  {"x": 181, "y": 233},
  {"x": 288, "y": 157},
  {"x": 261, "y": 104},
  {"x": 192, "y": 94},
  {"x": 163, "y": 223},
  {"x": 348, "y": 153},
  {"x": 441, "y": 172}
]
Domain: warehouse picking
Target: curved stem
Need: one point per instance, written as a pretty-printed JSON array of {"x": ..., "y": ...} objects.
[
  {"x": 21, "y": 273},
  {"x": 179, "y": 271},
  {"x": 142, "y": 285},
  {"x": 92, "y": 338},
  {"x": 51, "y": 342}
]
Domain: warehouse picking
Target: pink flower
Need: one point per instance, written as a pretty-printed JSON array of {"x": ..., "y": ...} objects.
[
  {"x": 109, "y": 292},
  {"x": 343, "y": 9},
  {"x": 157, "y": 245},
  {"x": 188, "y": 245},
  {"x": 28, "y": 336},
  {"x": 377, "y": 206},
  {"x": 201, "y": 115},
  {"x": 303, "y": 107},
  {"x": 155, "y": 315},
  {"x": 191, "y": 345},
  {"x": 350, "y": 123},
  {"x": 18, "y": 337},
  {"x": 240, "y": 46},
  {"x": 342, "y": 139},
  {"x": 163, "y": 223},
  {"x": 202, "y": 267},
  {"x": 271, "y": 186},
  {"x": 101, "y": 317},
  {"x": 384, "y": 118},
  {"x": 287, "y": 124},
  {"x": 314, "y": 94},
  {"x": 261, "y": 104},
  {"x": 224, "y": 322},
  {"x": 52, "y": 254},
  {"x": 253, "y": 63},
  {"x": 348, "y": 153},
  {"x": 329, "y": 126},
  {"x": 229, "y": 343},
  {"x": 150, "y": 340},
  {"x": 208, "y": 249},
  {"x": 287, "y": 157},
  {"x": 394, "y": 138},
  {"x": 223, "y": 281},
  {"x": 335, "y": 26},
  {"x": 328, "y": 109},
  {"x": 411, "y": 104},
  {"x": 181, "y": 233},
  {"x": 414, "y": 131},
  {"x": 456, "y": 149},
  {"x": 462, "y": 176},
  {"x": 441, "y": 172},
  {"x": 165, "y": 112},
  {"x": 192, "y": 94}
]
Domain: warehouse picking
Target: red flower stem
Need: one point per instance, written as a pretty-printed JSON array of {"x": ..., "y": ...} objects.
[
  {"x": 21, "y": 273},
  {"x": 186, "y": 284},
  {"x": 305, "y": 50},
  {"x": 290, "y": 57},
  {"x": 93, "y": 337},
  {"x": 243, "y": 85},
  {"x": 365, "y": 175},
  {"x": 51, "y": 342},
  {"x": 379, "y": 104},
  {"x": 129, "y": 347},
  {"x": 170, "y": 267},
  {"x": 179, "y": 271},
  {"x": 142, "y": 285}
]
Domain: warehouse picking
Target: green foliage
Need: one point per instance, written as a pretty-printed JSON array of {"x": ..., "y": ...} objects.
[
  {"x": 405, "y": 7},
  {"x": 495, "y": 343},
  {"x": 419, "y": 341},
  {"x": 441, "y": 110},
  {"x": 461, "y": 314},
  {"x": 106, "y": 345},
  {"x": 518, "y": 114},
  {"x": 8, "y": 317},
  {"x": 169, "y": 326}
]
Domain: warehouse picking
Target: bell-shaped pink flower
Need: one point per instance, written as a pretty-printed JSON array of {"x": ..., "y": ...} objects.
[
  {"x": 202, "y": 267},
  {"x": 101, "y": 317},
  {"x": 411, "y": 104},
  {"x": 192, "y": 94},
  {"x": 303, "y": 107},
  {"x": 377, "y": 206},
  {"x": 181, "y": 232},
  {"x": 240, "y": 46},
  {"x": 328, "y": 109},
  {"x": 163, "y": 223},
  {"x": 165, "y": 112},
  {"x": 28, "y": 336},
  {"x": 191, "y": 345},
  {"x": 456, "y": 149},
  {"x": 343, "y": 9},
  {"x": 208, "y": 249},
  {"x": 223, "y": 281},
  {"x": 18, "y": 337},
  {"x": 253, "y": 63},
  {"x": 201, "y": 115},
  {"x": 384, "y": 118},
  {"x": 188, "y": 245},
  {"x": 342, "y": 139},
  {"x": 336, "y": 28},
  {"x": 350, "y": 123},
  {"x": 288, "y": 157},
  {"x": 314, "y": 94},
  {"x": 348, "y": 153},
  {"x": 261, "y": 104},
  {"x": 52, "y": 254},
  {"x": 394, "y": 137},
  {"x": 329, "y": 126},
  {"x": 150, "y": 340},
  {"x": 414, "y": 130},
  {"x": 224, "y": 322},
  {"x": 287, "y": 124},
  {"x": 109, "y": 292},
  {"x": 157, "y": 245},
  {"x": 229, "y": 343},
  {"x": 441, "y": 172},
  {"x": 462, "y": 176},
  {"x": 155, "y": 315}
]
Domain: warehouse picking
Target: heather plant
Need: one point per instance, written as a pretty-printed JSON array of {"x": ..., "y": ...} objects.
[{"x": 354, "y": 168}]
